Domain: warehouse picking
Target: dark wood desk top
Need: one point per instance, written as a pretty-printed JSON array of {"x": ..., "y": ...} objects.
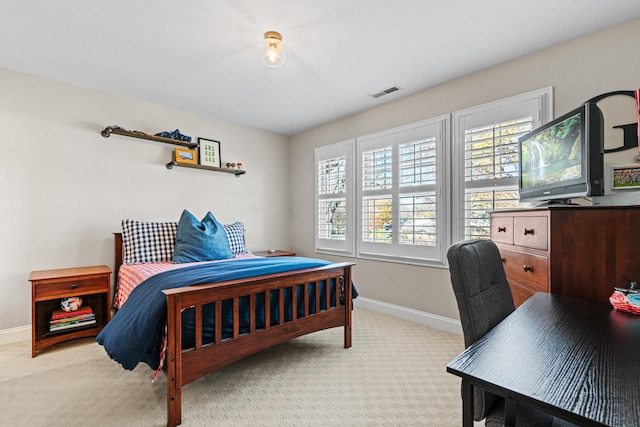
[{"x": 573, "y": 358}]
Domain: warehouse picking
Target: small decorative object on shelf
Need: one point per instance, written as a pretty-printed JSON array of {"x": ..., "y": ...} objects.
[
  {"x": 174, "y": 135},
  {"x": 184, "y": 155},
  {"x": 231, "y": 165},
  {"x": 70, "y": 304},
  {"x": 209, "y": 152}
]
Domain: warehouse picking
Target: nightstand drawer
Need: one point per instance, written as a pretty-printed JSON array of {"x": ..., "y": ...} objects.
[{"x": 64, "y": 288}]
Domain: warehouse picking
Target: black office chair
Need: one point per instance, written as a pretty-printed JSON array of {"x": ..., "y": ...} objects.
[{"x": 484, "y": 300}]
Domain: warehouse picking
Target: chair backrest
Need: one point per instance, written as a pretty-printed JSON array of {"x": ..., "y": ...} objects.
[{"x": 483, "y": 296}]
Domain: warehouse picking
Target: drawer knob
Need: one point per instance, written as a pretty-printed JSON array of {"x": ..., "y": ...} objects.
[
  {"x": 74, "y": 286},
  {"x": 502, "y": 229},
  {"x": 527, "y": 268},
  {"x": 528, "y": 231}
]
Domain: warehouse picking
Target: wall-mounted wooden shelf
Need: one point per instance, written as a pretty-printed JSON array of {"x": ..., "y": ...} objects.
[
  {"x": 191, "y": 145},
  {"x": 236, "y": 172},
  {"x": 141, "y": 135}
]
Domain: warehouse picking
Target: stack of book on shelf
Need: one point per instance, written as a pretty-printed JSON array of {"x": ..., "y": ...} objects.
[{"x": 66, "y": 320}]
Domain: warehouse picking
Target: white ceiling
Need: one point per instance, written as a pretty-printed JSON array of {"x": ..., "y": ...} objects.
[{"x": 201, "y": 55}]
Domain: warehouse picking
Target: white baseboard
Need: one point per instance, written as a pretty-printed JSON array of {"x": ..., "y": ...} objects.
[
  {"x": 21, "y": 333},
  {"x": 432, "y": 320}
]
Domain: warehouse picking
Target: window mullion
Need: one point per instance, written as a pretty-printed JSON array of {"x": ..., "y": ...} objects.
[{"x": 395, "y": 173}]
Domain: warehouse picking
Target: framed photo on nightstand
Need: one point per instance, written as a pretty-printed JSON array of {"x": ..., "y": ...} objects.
[{"x": 209, "y": 152}]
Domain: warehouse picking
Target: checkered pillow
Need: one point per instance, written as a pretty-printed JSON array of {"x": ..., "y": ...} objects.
[
  {"x": 148, "y": 241},
  {"x": 235, "y": 235}
]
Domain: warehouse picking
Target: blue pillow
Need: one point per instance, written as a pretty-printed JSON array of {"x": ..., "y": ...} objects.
[{"x": 200, "y": 240}]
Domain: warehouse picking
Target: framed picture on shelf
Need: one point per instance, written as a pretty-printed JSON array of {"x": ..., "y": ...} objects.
[
  {"x": 209, "y": 152},
  {"x": 625, "y": 177},
  {"x": 184, "y": 155}
]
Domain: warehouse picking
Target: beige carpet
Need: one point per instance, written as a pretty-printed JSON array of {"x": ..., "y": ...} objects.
[{"x": 394, "y": 375}]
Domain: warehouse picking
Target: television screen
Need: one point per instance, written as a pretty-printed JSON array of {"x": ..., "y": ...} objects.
[
  {"x": 553, "y": 155},
  {"x": 563, "y": 159}
]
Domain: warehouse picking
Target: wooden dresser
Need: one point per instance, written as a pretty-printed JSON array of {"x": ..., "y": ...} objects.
[{"x": 581, "y": 251}]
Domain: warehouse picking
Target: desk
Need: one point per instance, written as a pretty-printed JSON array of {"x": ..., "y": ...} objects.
[{"x": 576, "y": 359}]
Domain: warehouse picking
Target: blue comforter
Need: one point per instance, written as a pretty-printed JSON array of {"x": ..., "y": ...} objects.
[{"x": 136, "y": 332}]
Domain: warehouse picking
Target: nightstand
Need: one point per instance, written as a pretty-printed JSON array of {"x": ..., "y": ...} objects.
[
  {"x": 277, "y": 252},
  {"x": 49, "y": 287}
]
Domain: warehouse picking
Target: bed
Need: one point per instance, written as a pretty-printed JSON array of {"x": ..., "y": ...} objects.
[{"x": 220, "y": 317}]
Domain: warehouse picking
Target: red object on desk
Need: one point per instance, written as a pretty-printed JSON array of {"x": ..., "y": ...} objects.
[{"x": 619, "y": 301}]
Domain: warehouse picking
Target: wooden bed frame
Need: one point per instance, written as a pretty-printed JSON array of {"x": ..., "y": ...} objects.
[{"x": 185, "y": 366}]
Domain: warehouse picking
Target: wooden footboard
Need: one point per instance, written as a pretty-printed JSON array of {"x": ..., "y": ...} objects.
[{"x": 184, "y": 366}]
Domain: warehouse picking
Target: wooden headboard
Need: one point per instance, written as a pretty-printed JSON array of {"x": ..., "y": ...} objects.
[{"x": 118, "y": 254}]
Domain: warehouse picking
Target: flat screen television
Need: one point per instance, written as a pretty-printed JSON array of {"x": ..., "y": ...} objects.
[{"x": 563, "y": 159}]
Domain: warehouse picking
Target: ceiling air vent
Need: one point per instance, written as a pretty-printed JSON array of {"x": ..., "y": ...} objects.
[{"x": 385, "y": 92}]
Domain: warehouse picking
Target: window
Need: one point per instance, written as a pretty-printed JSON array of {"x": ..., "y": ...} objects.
[
  {"x": 485, "y": 154},
  {"x": 400, "y": 176},
  {"x": 334, "y": 201},
  {"x": 405, "y": 194}
]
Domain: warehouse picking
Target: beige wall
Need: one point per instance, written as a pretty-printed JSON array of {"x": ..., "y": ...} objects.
[
  {"x": 578, "y": 70},
  {"x": 65, "y": 188}
]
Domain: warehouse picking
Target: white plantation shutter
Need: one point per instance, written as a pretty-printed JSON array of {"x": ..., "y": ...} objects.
[
  {"x": 332, "y": 204},
  {"x": 401, "y": 208},
  {"x": 418, "y": 211},
  {"x": 486, "y": 158},
  {"x": 491, "y": 151},
  {"x": 405, "y": 194},
  {"x": 334, "y": 198}
]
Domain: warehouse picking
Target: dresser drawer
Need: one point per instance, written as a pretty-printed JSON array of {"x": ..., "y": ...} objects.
[
  {"x": 70, "y": 287},
  {"x": 527, "y": 269},
  {"x": 502, "y": 229},
  {"x": 531, "y": 232}
]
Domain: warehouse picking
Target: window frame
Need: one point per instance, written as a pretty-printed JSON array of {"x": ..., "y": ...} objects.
[
  {"x": 450, "y": 179},
  {"x": 539, "y": 103},
  {"x": 346, "y": 246},
  {"x": 395, "y": 251}
]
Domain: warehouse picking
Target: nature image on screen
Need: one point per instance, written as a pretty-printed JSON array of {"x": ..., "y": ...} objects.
[{"x": 553, "y": 155}]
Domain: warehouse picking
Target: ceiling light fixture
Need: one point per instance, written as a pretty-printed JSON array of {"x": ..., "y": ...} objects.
[{"x": 272, "y": 51}]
